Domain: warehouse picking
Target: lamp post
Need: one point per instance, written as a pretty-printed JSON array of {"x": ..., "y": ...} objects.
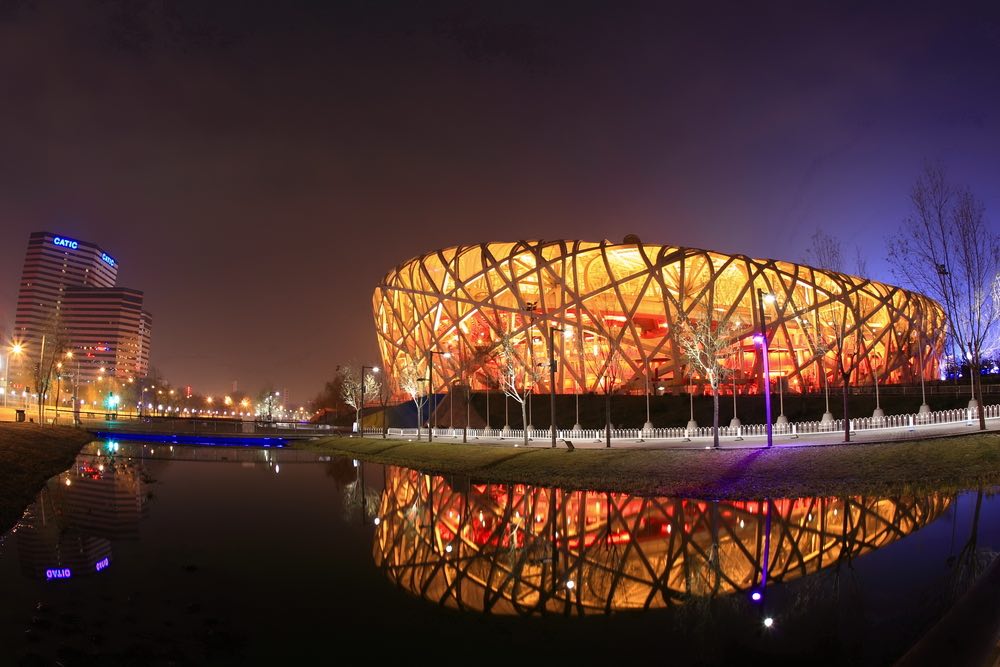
[
  {"x": 430, "y": 388},
  {"x": 648, "y": 426},
  {"x": 361, "y": 402},
  {"x": 735, "y": 421},
  {"x": 552, "y": 383},
  {"x": 925, "y": 409},
  {"x": 58, "y": 386},
  {"x": 767, "y": 370},
  {"x": 782, "y": 420},
  {"x": 76, "y": 391},
  {"x": 878, "y": 414},
  {"x": 38, "y": 383},
  {"x": 420, "y": 408},
  {"x": 827, "y": 416},
  {"x": 530, "y": 307}
]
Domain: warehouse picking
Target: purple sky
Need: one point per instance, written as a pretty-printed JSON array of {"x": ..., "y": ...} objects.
[{"x": 257, "y": 167}]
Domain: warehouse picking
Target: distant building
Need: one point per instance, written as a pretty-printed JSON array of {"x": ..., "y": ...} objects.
[
  {"x": 109, "y": 331},
  {"x": 68, "y": 294}
]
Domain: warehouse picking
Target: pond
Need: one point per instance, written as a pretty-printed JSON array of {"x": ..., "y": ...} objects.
[{"x": 149, "y": 554}]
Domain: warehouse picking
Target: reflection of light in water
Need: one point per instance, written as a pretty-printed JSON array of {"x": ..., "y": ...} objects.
[{"x": 601, "y": 552}]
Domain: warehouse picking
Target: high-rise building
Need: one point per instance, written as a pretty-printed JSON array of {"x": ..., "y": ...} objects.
[
  {"x": 109, "y": 331},
  {"x": 68, "y": 295}
]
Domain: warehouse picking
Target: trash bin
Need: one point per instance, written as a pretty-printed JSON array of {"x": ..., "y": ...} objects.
[{"x": 19, "y": 415}]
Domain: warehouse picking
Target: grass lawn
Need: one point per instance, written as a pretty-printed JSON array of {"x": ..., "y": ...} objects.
[
  {"x": 885, "y": 468},
  {"x": 29, "y": 455}
]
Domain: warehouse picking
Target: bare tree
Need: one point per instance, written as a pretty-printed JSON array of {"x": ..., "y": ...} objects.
[
  {"x": 352, "y": 393},
  {"x": 824, "y": 252},
  {"x": 705, "y": 344},
  {"x": 844, "y": 335},
  {"x": 53, "y": 345},
  {"x": 947, "y": 250},
  {"x": 860, "y": 262},
  {"x": 606, "y": 363},
  {"x": 517, "y": 375},
  {"x": 415, "y": 387}
]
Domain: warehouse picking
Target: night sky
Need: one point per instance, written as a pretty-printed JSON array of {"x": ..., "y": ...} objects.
[{"x": 257, "y": 167}]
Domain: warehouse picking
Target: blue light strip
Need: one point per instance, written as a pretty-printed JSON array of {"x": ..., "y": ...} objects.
[{"x": 212, "y": 440}]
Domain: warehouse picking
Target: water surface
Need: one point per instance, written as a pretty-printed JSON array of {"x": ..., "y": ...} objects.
[{"x": 145, "y": 554}]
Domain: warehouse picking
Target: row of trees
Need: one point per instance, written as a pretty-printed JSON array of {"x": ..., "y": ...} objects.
[{"x": 945, "y": 249}]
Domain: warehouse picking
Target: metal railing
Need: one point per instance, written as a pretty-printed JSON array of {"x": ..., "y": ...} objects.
[{"x": 889, "y": 422}]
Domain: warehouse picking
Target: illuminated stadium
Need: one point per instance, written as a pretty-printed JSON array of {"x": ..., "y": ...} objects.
[{"x": 614, "y": 309}]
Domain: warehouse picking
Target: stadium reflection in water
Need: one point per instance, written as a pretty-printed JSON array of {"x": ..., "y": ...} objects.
[{"x": 519, "y": 549}]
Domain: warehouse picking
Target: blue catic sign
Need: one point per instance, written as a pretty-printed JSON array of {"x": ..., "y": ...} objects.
[
  {"x": 108, "y": 259},
  {"x": 101, "y": 564},
  {"x": 63, "y": 242},
  {"x": 58, "y": 573}
]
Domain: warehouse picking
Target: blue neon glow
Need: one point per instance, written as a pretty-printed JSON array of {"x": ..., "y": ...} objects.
[
  {"x": 58, "y": 573},
  {"x": 101, "y": 564},
  {"x": 223, "y": 440},
  {"x": 64, "y": 242},
  {"x": 108, "y": 259}
]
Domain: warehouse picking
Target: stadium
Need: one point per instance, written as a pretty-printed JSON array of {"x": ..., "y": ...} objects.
[{"x": 605, "y": 310}]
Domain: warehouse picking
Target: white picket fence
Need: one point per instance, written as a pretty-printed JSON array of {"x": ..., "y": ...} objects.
[{"x": 888, "y": 422}]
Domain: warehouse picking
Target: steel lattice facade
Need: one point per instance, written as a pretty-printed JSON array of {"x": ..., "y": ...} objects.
[{"x": 626, "y": 298}]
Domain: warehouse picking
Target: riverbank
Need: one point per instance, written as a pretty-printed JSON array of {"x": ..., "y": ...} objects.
[
  {"x": 891, "y": 468},
  {"x": 29, "y": 455}
]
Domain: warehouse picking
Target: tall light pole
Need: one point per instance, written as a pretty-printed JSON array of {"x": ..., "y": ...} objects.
[
  {"x": 552, "y": 383},
  {"x": 924, "y": 408},
  {"x": 767, "y": 370},
  {"x": 430, "y": 389},
  {"x": 530, "y": 307},
  {"x": 782, "y": 420},
  {"x": 58, "y": 386},
  {"x": 361, "y": 402},
  {"x": 76, "y": 390}
]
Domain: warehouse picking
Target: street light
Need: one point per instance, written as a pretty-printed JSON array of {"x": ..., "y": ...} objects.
[
  {"x": 531, "y": 308},
  {"x": 76, "y": 389},
  {"x": 361, "y": 406},
  {"x": 552, "y": 383},
  {"x": 430, "y": 388},
  {"x": 762, "y": 339}
]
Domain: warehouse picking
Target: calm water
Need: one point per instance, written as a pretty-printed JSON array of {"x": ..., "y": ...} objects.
[{"x": 153, "y": 555}]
